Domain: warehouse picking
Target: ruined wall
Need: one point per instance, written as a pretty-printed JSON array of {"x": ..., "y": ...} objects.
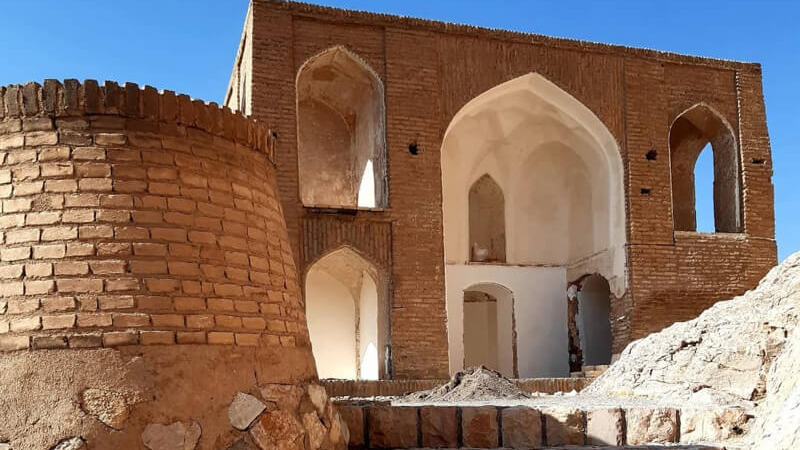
[
  {"x": 431, "y": 70},
  {"x": 143, "y": 247}
]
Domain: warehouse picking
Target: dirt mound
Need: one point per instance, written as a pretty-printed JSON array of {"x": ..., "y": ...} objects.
[{"x": 473, "y": 384}]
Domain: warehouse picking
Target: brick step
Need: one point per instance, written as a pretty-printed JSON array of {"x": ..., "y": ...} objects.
[{"x": 382, "y": 425}]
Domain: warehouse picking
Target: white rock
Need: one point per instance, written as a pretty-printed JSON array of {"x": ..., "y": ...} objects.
[
  {"x": 318, "y": 397},
  {"x": 244, "y": 410},
  {"x": 75, "y": 443}
]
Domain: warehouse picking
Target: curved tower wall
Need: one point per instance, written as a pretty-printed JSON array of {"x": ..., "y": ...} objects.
[{"x": 146, "y": 277}]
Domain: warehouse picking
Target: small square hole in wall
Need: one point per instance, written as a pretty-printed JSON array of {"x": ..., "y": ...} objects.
[
  {"x": 645, "y": 191},
  {"x": 413, "y": 149},
  {"x": 759, "y": 161},
  {"x": 651, "y": 155}
]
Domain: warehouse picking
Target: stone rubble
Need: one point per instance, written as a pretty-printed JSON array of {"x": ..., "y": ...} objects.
[
  {"x": 75, "y": 443},
  {"x": 243, "y": 410}
]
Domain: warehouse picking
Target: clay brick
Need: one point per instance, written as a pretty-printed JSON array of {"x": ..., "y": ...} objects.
[
  {"x": 157, "y": 337},
  {"x": 168, "y": 234},
  {"x": 80, "y": 285},
  {"x": 34, "y": 270},
  {"x": 94, "y": 320},
  {"x": 107, "y": 267},
  {"x": 26, "y": 324},
  {"x": 162, "y": 285},
  {"x": 168, "y": 320},
  {"x": 80, "y": 249},
  {"x": 47, "y": 251},
  {"x": 11, "y": 271},
  {"x": 115, "y": 302},
  {"x": 12, "y": 343},
  {"x": 246, "y": 339},
  {"x": 190, "y": 303},
  {"x": 191, "y": 337},
  {"x": 89, "y": 154},
  {"x": 148, "y": 267},
  {"x": 71, "y": 268},
  {"x": 114, "y": 249},
  {"x": 81, "y": 201},
  {"x": 23, "y": 235},
  {"x": 61, "y": 185},
  {"x": 57, "y": 304},
  {"x": 42, "y": 218},
  {"x": 130, "y": 320},
  {"x": 85, "y": 340},
  {"x": 220, "y": 338},
  {"x": 63, "y": 321},
  {"x": 39, "y": 287},
  {"x": 95, "y": 232},
  {"x": 122, "y": 284},
  {"x": 59, "y": 233},
  {"x": 115, "y": 338},
  {"x": 605, "y": 427},
  {"x": 45, "y": 342},
  {"x": 200, "y": 321}
]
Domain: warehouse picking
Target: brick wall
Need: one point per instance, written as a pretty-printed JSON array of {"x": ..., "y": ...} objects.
[
  {"x": 137, "y": 217},
  {"x": 431, "y": 69}
]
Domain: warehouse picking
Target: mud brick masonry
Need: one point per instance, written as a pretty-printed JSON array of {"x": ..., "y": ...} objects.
[
  {"x": 147, "y": 281},
  {"x": 428, "y": 71}
]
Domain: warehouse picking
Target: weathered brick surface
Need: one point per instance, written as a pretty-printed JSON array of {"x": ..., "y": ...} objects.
[
  {"x": 142, "y": 230},
  {"x": 429, "y": 72}
]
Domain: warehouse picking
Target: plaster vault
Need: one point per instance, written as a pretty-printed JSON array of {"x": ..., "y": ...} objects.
[{"x": 556, "y": 172}]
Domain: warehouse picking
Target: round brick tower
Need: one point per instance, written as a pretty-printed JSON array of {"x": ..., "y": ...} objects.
[{"x": 148, "y": 297}]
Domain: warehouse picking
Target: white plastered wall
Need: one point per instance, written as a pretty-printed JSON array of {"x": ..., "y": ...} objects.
[
  {"x": 562, "y": 178},
  {"x": 538, "y": 295},
  {"x": 331, "y": 317}
]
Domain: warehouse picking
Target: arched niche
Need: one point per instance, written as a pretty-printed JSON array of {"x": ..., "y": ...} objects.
[
  {"x": 341, "y": 149},
  {"x": 593, "y": 320},
  {"x": 347, "y": 315},
  {"x": 560, "y": 172},
  {"x": 487, "y": 221},
  {"x": 690, "y": 133},
  {"x": 488, "y": 323}
]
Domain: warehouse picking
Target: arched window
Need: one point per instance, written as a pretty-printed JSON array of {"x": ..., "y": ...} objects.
[
  {"x": 691, "y": 132},
  {"x": 487, "y": 223},
  {"x": 341, "y": 138}
]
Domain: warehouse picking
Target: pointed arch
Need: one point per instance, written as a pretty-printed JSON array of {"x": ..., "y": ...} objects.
[
  {"x": 347, "y": 313},
  {"x": 487, "y": 220},
  {"x": 690, "y": 133},
  {"x": 554, "y": 156},
  {"x": 340, "y": 131}
]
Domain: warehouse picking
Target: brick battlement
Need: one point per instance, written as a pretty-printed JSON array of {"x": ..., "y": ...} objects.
[{"x": 72, "y": 99}]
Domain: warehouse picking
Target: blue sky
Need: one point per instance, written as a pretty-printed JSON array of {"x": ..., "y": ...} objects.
[{"x": 189, "y": 47}]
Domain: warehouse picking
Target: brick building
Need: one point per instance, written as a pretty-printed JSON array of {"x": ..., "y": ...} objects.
[{"x": 458, "y": 195}]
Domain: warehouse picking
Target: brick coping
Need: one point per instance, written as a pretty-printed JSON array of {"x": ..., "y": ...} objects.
[{"x": 72, "y": 98}]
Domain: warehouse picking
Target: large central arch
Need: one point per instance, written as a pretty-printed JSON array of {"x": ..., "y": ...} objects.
[{"x": 561, "y": 176}]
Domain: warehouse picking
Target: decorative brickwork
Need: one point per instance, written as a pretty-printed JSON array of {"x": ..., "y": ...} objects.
[{"x": 430, "y": 70}]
